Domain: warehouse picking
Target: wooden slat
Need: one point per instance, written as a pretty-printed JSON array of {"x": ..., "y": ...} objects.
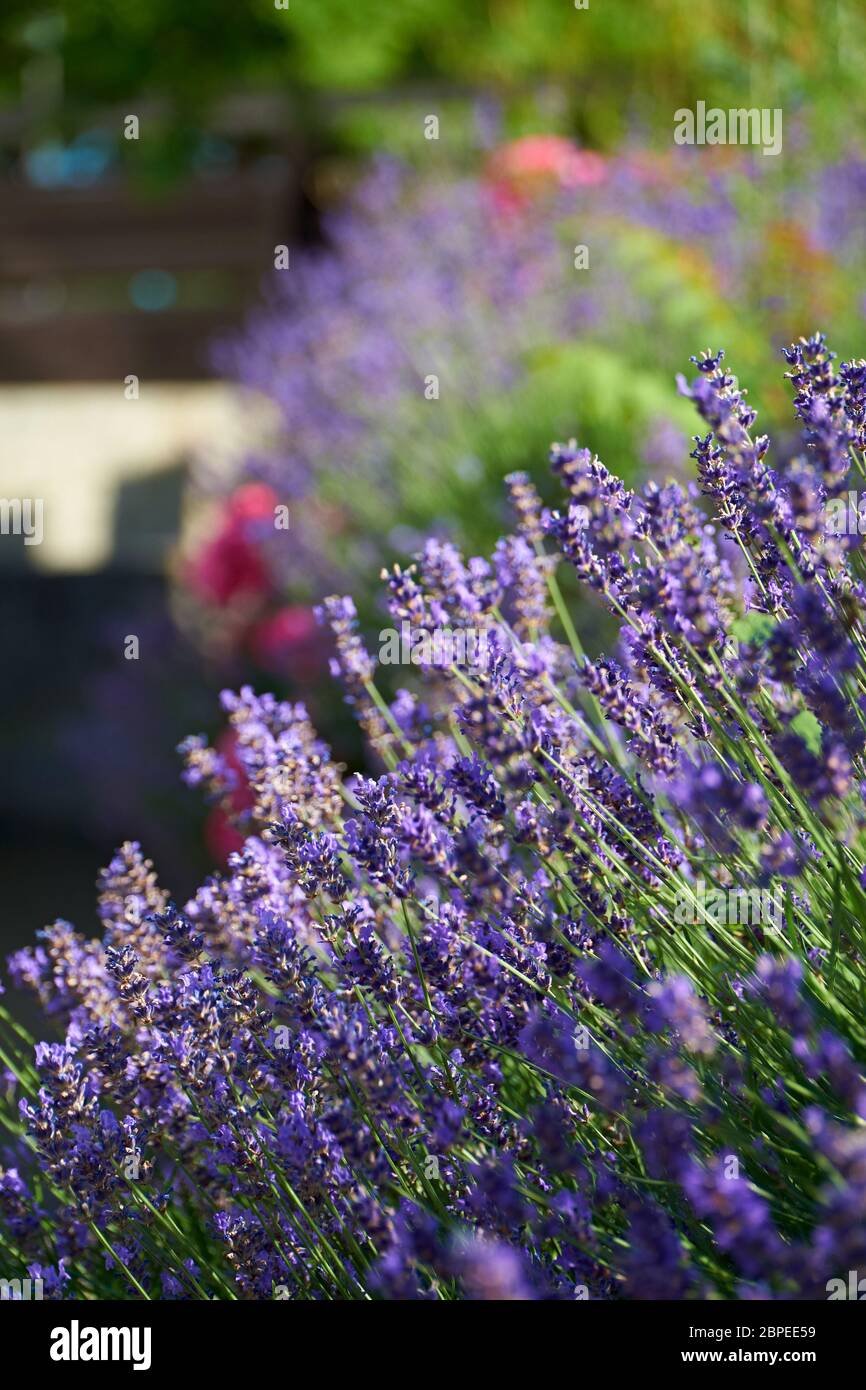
[
  {"x": 228, "y": 224},
  {"x": 170, "y": 346},
  {"x": 216, "y": 223}
]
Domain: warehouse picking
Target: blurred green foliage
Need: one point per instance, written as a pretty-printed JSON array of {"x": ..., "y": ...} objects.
[{"x": 597, "y": 73}]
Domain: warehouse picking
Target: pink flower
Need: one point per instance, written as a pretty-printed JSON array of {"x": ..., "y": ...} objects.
[
  {"x": 252, "y": 502},
  {"x": 518, "y": 172}
]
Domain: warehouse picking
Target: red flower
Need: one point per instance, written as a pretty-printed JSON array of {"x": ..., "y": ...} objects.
[
  {"x": 221, "y": 836},
  {"x": 229, "y": 563},
  {"x": 289, "y": 643}
]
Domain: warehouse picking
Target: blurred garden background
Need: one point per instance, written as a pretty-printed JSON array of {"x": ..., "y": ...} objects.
[{"x": 423, "y": 173}]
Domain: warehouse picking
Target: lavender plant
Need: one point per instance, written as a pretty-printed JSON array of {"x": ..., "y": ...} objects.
[
  {"x": 450, "y": 327},
  {"x": 485, "y": 1026},
  {"x": 468, "y": 288}
]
